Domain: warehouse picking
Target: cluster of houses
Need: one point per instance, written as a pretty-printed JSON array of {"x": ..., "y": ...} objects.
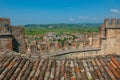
[
  {"x": 53, "y": 42},
  {"x": 13, "y": 38}
]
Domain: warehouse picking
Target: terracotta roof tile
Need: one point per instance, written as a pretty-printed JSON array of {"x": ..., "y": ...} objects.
[{"x": 97, "y": 68}]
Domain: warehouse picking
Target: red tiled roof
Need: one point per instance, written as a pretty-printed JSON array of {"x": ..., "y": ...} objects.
[{"x": 98, "y": 68}]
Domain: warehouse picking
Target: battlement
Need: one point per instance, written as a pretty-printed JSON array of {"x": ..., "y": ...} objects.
[
  {"x": 18, "y": 27},
  {"x": 4, "y": 19},
  {"x": 14, "y": 28},
  {"x": 112, "y": 23}
]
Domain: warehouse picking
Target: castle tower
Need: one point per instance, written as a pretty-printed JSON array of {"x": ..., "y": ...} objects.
[
  {"x": 5, "y": 25},
  {"x": 12, "y": 38},
  {"x": 111, "y": 31},
  {"x": 5, "y": 34}
]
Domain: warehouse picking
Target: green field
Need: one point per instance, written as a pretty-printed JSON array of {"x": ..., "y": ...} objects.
[{"x": 60, "y": 28}]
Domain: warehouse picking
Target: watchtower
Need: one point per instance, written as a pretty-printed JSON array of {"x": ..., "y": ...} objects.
[
  {"x": 110, "y": 35},
  {"x": 5, "y": 34}
]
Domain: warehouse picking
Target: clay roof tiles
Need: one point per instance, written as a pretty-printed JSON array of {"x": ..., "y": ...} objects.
[{"x": 97, "y": 68}]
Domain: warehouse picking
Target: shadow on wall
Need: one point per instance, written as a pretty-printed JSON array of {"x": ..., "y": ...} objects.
[{"x": 15, "y": 45}]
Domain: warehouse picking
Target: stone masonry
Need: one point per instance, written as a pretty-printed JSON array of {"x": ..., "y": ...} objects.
[
  {"x": 110, "y": 36},
  {"x": 12, "y": 37},
  {"x": 5, "y": 34}
]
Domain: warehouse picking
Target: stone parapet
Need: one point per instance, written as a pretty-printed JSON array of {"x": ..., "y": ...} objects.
[{"x": 111, "y": 22}]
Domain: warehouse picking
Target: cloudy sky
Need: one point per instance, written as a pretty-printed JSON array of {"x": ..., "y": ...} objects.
[{"x": 59, "y": 11}]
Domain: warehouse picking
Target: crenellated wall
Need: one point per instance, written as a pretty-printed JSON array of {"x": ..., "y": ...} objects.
[
  {"x": 111, "y": 22},
  {"x": 13, "y": 38},
  {"x": 110, "y": 36}
]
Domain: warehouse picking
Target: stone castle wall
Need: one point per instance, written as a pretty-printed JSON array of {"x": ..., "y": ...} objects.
[
  {"x": 6, "y": 42},
  {"x": 19, "y": 44},
  {"x": 12, "y": 37},
  {"x": 5, "y": 25},
  {"x": 5, "y": 34},
  {"x": 110, "y": 36}
]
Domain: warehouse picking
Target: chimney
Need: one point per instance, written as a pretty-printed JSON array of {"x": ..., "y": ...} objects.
[
  {"x": 106, "y": 22},
  {"x": 113, "y": 22}
]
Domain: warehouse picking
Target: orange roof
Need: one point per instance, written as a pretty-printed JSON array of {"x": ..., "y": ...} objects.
[{"x": 20, "y": 68}]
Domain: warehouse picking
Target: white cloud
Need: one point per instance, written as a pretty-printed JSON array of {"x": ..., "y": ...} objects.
[
  {"x": 83, "y": 17},
  {"x": 115, "y": 11},
  {"x": 87, "y": 18},
  {"x": 71, "y": 19},
  {"x": 94, "y": 19}
]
